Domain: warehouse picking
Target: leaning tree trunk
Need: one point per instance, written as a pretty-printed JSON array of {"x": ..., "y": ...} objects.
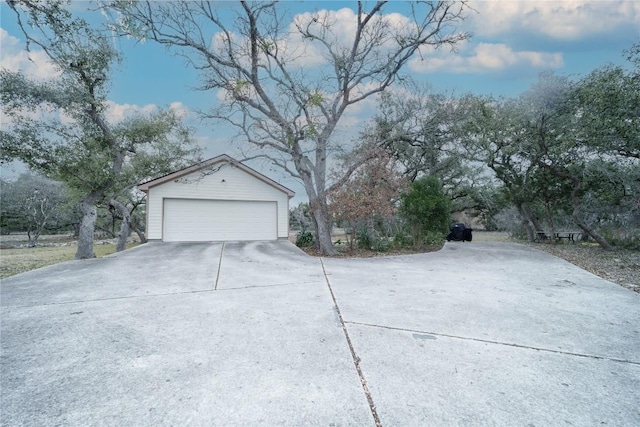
[
  {"x": 135, "y": 226},
  {"x": 124, "y": 224},
  {"x": 87, "y": 226},
  {"x": 577, "y": 218}
]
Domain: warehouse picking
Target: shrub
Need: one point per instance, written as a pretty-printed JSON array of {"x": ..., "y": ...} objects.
[
  {"x": 364, "y": 239},
  {"x": 622, "y": 237},
  {"x": 401, "y": 239},
  {"x": 380, "y": 245},
  {"x": 427, "y": 210},
  {"x": 304, "y": 239}
]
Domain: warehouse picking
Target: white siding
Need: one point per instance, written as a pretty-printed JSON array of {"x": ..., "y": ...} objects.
[{"x": 226, "y": 182}]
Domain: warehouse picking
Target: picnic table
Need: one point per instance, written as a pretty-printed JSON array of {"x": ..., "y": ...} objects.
[{"x": 569, "y": 236}]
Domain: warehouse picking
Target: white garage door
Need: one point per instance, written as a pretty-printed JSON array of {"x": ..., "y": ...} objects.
[{"x": 189, "y": 220}]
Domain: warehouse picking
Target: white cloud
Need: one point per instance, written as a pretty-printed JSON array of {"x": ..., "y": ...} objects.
[
  {"x": 568, "y": 20},
  {"x": 15, "y": 58},
  {"x": 487, "y": 57},
  {"x": 336, "y": 27},
  {"x": 181, "y": 110},
  {"x": 115, "y": 112},
  {"x": 339, "y": 29}
]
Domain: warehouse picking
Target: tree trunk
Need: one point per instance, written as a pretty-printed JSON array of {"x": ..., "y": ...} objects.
[
  {"x": 87, "y": 227},
  {"x": 525, "y": 223},
  {"x": 124, "y": 224},
  {"x": 590, "y": 231},
  {"x": 318, "y": 210},
  {"x": 135, "y": 226},
  {"x": 32, "y": 240},
  {"x": 322, "y": 224},
  {"x": 532, "y": 217},
  {"x": 552, "y": 224},
  {"x": 577, "y": 217}
]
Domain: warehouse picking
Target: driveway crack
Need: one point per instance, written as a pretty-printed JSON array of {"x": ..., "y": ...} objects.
[{"x": 354, "y": 356}]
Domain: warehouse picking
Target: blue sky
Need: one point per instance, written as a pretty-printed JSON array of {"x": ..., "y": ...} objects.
[{"x": 513, "y": 41}]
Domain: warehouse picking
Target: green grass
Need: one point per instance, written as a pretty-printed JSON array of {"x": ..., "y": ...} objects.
[{"x": 15, "y": 261}]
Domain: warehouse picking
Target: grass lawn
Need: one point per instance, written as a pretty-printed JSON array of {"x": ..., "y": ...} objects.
[{"x": 15, "y": 261}]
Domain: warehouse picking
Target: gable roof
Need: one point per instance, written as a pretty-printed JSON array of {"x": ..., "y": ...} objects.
[{"x": 145, "y": 186}]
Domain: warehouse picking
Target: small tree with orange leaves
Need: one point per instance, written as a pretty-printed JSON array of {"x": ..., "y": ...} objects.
[{"x": 372, "y": 193}]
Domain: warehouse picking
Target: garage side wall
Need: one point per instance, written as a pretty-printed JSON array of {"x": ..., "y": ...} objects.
[{"x": 226, "y": 183}]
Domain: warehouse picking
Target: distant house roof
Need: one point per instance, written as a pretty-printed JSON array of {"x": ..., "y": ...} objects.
[{"x": 145, "y": 186}]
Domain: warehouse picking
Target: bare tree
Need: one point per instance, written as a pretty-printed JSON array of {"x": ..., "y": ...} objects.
[
  {"x": 287, "y": 84},
  {"x": 33, "y": 203}
]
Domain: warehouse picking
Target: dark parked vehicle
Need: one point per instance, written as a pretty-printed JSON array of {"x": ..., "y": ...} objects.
[{"x": 460, "y": 233}]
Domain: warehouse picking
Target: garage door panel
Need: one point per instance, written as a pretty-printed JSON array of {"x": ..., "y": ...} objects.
[{"x": 192, "y": 220}]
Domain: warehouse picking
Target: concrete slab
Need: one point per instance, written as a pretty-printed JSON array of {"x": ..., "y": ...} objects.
[
  {"x": 150, "y": 269},
  {"x": 259, "y": 356},
  {"x": 250, "y": 264},
  {"x": 505, "y": 293},
  {"x": 248, "y": 334},
  {"x": 421, "y": 379}
]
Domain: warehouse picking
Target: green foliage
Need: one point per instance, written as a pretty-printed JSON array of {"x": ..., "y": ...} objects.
[
  {"x": 401, "y": 239},
  {"x": 433, "y": 238},
  {"x": 299, "y": 217},
  {"x": 304, "y": 239},
  {"x": 422, "y": 131},
  {"x": 622, "y": 237},
  {"x": 609, "y": 103},
  {"x": 563, "y": 149},
  {"x": 315, "y": 99},
  {"x": 73, "y": 141},
  {"x": 427, "y": 210},
  {"x": 364, "y": 239},
  {"x": 381, "y": 245},
  {"x": 368, "y": 240}
]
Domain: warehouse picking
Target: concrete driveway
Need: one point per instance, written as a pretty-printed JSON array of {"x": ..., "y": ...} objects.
[{"x": 262, "y": 334}]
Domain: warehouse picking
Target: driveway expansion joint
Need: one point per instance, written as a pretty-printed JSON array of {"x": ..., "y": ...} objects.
[
  {"x": 355, "y": 357},
  {"x": 507, "y": 344},
  {"x": 108, "y": 299},
  {"x": 215, "y": 288}
]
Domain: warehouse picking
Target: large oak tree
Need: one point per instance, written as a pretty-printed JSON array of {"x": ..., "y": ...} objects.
[
  {"x": 287, "y": 84},
  {"x": 71, "y": 139}
]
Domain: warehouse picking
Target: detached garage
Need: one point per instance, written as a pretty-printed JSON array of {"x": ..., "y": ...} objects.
[{"x": 219, "y": 199}]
